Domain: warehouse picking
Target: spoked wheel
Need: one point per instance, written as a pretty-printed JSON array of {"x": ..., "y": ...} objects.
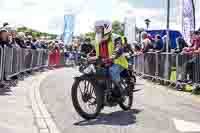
[
  {"x": 86, "y": 98},
  {"x": 127, "y": 101}
]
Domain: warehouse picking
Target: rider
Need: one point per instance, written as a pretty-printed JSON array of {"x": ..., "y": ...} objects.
[{"x": 106, "y": 49}]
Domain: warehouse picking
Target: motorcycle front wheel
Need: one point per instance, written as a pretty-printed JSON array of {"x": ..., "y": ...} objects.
[{"x": 86, "y": 92}]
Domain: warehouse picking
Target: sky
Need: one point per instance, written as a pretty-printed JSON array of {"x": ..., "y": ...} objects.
[{"x": 48, "y": 15}]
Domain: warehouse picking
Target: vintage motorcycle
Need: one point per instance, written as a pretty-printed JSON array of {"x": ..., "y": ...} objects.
[{"x": 94, "y": 90}]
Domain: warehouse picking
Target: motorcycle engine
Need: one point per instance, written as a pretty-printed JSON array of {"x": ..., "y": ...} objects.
[{"x": 89, "y": 70}]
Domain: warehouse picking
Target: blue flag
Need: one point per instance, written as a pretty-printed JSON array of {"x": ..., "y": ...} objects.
[{"x": 68, "y": 28}]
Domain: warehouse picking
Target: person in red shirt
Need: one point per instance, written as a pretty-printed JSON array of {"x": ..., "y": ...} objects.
[
  {"x": 195, "y": 41},
  {"x": 194, "y": 51}
]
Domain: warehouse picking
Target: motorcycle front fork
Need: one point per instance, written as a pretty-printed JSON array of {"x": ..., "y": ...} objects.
[{"x": 108, "y": 96}]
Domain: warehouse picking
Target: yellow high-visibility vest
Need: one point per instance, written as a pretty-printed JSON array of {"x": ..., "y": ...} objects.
[{"x": 122, "y": 61}]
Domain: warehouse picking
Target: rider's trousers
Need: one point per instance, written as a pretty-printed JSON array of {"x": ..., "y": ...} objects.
[{"x": 115, "y": 71}]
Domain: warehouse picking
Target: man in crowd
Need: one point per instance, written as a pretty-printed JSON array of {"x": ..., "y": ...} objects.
[
  {"x": 127, "y": 46},
  {"x": 33, "y": 44},
  {"x": 181, "y": 44},
  {"x": 87, "y": 47},
  {"x": 20, "y": 40},
  {"x": 43, "y": 44},
  {"x": 195, "y": 44},
  {"x": 193, "y": 50},
  {"x": 164, "y": 48},
  {"x": 158, "y": 44},
  {"x": 29, "y": 41},
  {"x": 14, "y": 36},
  {"x": 146, "y": 42},
  {"x": 3, "y": 37}
]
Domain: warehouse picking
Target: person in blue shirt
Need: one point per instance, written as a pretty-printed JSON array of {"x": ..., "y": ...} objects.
[{"x": 158, "y": 44}]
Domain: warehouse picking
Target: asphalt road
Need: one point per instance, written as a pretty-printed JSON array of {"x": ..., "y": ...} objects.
[{"x": 156, "y": 109}]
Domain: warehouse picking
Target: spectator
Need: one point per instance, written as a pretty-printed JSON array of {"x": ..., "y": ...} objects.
[
  {"x": 29, "y": 41},
  {"x": 3, "y": 37},
  {"x": 10, "y": 39},
  {"x": 195, "y": 41},
  {"x": 137, "y": 48},
  {"x": 127, "y": 47},
  {"x": 14, "y": 35},
  {"x": 158, "y": 44},
  {"x": 189, "y": 65},
  {"x": 150, "y": 38},
  {"x": 188, "y": 68},
  {"x": 20, "y": 40},
  {"x": 43, "y": 45},
  {"x": 164, "y": 48},
  {"x": 37, "y": 44},
  {"x": 146, "y": 42},
  {"x": 181, "y": 44},
  {"x": 87, "y": 47},
  {"x": 11, "y": 35},
  {"x": 33, "y": 44}
]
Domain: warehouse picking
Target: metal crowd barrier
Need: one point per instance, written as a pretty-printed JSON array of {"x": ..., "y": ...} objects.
[
  {"x": 168, "y": 66},
  {"x": 16, "y": 60},
  {"x": 139, "y": 63}
]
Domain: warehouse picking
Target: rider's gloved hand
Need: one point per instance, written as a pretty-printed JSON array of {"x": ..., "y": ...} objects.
[{"x": 92, "y": 59}]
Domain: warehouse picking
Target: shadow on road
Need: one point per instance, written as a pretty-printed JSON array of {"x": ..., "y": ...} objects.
[
  {"x": 5, "y": 91},
  {"x": 138, "y": 84},
  {"x": 122, "y": 118},
  {"x": 136, "y": 90}
]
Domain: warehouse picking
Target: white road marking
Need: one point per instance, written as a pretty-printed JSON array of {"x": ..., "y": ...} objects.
[{"x": 186, "y": 126}]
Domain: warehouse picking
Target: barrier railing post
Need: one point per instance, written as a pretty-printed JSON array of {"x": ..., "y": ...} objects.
[
  {"x": 1, "y": 64},
  {"x": 156, "y": 60}
]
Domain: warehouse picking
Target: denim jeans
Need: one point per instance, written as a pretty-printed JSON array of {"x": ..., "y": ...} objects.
[
  {"x": 115, "y": 71},
  {"x": 131, "y": 60},
  {"x": 188, "y": 69}
]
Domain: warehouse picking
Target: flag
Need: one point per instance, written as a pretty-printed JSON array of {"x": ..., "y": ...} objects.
[
  {"x": 68, "y": 28},
  {"x": 188, "y": 20}
]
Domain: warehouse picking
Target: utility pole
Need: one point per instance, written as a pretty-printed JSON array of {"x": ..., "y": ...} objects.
[
  {"x": 167, "y": 66},
  {"x": 194, "y": 13},
  {"x": 168, "y": 32}
]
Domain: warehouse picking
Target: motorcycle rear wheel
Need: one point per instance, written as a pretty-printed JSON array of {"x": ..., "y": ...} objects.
[{"x": 129, "y": 97}]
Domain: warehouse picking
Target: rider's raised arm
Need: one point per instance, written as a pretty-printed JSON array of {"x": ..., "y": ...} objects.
[{"x": 117, "y": 53}]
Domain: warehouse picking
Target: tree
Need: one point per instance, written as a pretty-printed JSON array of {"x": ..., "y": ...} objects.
[
  {"x": 35, "y": 33},
  {"x": 147, "y": 22},
  {"x": 117, "y": 28},
  {"x": 90, "y": 35}
]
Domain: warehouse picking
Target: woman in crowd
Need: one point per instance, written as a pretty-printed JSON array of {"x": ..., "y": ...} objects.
[{"x": 146, "y": 42}]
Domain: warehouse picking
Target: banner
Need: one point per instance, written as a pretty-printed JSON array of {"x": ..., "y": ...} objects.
[
  {"x": 69, "y": 21},
  {"x": 188, "y": 20}
]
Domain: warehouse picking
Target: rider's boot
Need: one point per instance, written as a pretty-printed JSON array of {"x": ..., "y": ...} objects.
[{"x": 119, "y": 92}]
